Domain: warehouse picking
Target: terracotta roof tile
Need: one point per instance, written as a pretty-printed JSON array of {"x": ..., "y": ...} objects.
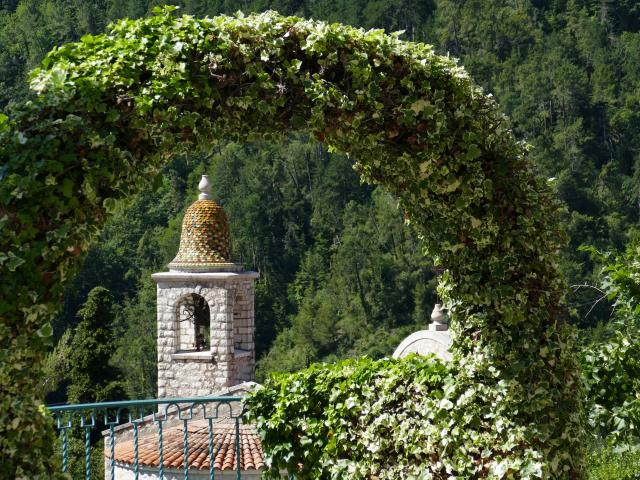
[{"x": 224, "y": 447}]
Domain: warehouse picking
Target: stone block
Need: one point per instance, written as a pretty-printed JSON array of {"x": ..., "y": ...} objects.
[{"x": 438, "y": 327}]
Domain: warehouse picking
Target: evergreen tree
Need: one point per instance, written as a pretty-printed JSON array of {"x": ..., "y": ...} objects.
[{"x": 92, "y": 378}]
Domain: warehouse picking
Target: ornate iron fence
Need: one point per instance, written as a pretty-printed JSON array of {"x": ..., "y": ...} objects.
[{"x": 163, "y": 438}]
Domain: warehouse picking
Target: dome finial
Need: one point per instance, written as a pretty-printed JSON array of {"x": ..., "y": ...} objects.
[
  {"x": 205, "y": 188},
  {"x": 440, "y": 322}
]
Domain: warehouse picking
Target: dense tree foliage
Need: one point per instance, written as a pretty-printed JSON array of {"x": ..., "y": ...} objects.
[
  {"x": 91, "y": 377},
  {"x": 611, "y": 354},
  {"x": 609, "y": 360},
  {"x": 83, "y": 363},
  {"x": 579, "y": 112},
  {"x": 112, "y": 108},
  {"x": 565, "y": 72}
]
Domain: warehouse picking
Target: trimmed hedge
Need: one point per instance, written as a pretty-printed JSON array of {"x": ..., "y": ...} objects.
[{"x": 110, "y": 110}]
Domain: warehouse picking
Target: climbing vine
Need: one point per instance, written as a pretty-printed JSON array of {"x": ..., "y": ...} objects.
[
  {"x": 356, "y": 419},
  {"x": 110, "y": 110}
]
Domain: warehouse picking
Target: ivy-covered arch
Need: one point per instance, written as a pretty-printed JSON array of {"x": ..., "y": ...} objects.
[{"x": 110, "y": 110}]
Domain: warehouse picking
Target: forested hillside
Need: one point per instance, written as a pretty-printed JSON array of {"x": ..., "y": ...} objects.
[{"x": 341, "y": 274}]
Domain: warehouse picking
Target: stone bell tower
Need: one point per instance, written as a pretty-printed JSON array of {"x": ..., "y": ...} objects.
[{"x": 205, "y": 308}]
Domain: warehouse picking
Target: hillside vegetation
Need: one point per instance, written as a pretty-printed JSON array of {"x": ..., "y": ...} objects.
[{"x": 341, "y": 275}]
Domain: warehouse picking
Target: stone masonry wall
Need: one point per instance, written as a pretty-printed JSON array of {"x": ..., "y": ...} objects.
[
  {"x": 244, "y": 333},
  {"x": 231, "y": 359}
]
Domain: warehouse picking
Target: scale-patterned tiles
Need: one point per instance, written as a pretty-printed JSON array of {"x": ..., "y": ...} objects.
[{"x": 204, "y": 242}]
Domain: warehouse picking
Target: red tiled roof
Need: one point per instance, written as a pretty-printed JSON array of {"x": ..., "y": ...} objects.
[{"x": 224, "y": 447}]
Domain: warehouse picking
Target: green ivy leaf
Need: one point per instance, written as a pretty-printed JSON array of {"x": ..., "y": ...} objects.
[
  {"x": 14, "y": 262},
  {"x": 109, "y": 204},
  {"x": 67, "y": 188},
  {"x": 46, "y": 331}
]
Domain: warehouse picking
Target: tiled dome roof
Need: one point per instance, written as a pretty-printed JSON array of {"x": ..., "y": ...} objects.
[{"x": 204, "y": 243}]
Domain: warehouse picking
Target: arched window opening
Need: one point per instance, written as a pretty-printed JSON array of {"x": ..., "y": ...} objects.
[{"x": 195, "y": 324}]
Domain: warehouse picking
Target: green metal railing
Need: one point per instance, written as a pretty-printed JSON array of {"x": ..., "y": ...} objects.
[{"x": 118, "y": 417}]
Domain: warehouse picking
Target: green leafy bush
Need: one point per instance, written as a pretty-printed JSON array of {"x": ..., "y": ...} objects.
[
  {"x": 354, "y": 419},
  {"x": 610, "y": 356},
  {"x": 385, "y": 419},
  {"x": 612, "y": 375},
  {"x": 614, "y": 463}
]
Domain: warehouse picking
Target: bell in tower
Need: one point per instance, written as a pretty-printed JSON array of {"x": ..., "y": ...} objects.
[{"x": 205, "y": 308}]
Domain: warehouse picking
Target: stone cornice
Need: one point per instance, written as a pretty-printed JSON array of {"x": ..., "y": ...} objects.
[{"x": 181, "y": 277}]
